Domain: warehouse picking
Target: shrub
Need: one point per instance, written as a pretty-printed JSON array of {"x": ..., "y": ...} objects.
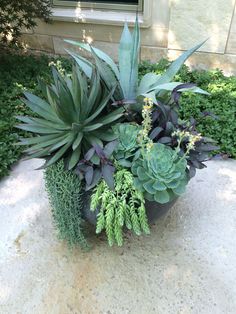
[{"x": 18, "y": 14}]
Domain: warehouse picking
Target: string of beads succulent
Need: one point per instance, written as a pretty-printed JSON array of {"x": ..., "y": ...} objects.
[{"x": 119, "y": 208}]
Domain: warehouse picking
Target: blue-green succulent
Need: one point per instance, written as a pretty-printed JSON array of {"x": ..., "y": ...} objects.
[
  {"x": 128, "y": 148},
  {"x": 160, "y": 174}
]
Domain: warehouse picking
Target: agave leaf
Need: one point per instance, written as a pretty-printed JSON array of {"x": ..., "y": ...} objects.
[
  {"x": 172, "y": 85},
  {"x": 92, "y": 127},
  {"x": 106, "y": 74},
  {"x": 94, "y": 90},
  {"x": 36, "y": 129},
  {"x": 111, "y": 117},
  {"x": 125, "y": 60},
  {"x": 176, "y": 65},
  {"x": 37, "y": 139},
  {"x": 77, "y": 141},
  {"x": 134, "y": 61},
  {"x": 39, "y": 102},
  {"x": 57, "y": 156},
  {"x": 84, "y": 64},
  {"x": 146, "y": 82},
  {"x": 100, "y": 54},
  {"x": 68, "y": 138},
  {"x": 40, "y": 111},
  {"x": 45, "y": 144},
  {"x": 66, "y": 103},
  {"x": 75, "y": 157},
  {"x": 38, "y": 154},
  {"x": 93, "y": 140},
  {"x": 101, "y": 106}
]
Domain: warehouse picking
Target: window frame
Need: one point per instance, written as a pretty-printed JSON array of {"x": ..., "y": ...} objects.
[{"x": 95, "y": 5}]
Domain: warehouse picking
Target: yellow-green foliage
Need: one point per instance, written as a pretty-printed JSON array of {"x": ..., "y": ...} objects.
[
  {"x": 64, "y": 191},
  {"x": 123, "y": 207}
]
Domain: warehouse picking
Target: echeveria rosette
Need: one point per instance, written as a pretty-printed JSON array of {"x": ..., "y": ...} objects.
[
  {"x": 127, "y": 148},
  {"x": 161, "y": 175}
]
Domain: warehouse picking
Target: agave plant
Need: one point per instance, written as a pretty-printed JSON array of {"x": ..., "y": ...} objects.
[
  {"x": 161, "y": 176},
  {"x": 125, "y": 75},
  {"x": 73, "y": 117}
]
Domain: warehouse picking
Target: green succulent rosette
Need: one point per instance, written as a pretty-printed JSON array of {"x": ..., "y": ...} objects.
[
  {"x": 161, "y": 175},
  {"x": 127, "y": 148}
]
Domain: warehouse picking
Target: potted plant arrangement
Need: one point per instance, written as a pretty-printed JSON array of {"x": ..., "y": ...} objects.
[{"x": 116, "y": 153}]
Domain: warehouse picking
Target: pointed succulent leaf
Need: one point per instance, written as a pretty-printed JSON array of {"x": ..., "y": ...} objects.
[
  {"x": 176, "y": 65},
  {"x": 75, "y": 157},
  {"x": 99, "y": 53}
]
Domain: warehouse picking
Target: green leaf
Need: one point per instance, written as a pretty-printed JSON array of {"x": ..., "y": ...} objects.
[
  {"x": 36, "y": 129},
  {"x": 57, "y": 156},
  {"x": 92, "y": 127},
  {"x": 148, "y": 186},
  {"x": 125, "y": 60},
  {"x": 75, "y": 157},
  {"x": 172, "y": 85},
  {"x": 100, "y": 54},
  {"x": 100, "y": 107},
  {"x": 162, "y": 197},
  {"x": 106, "y": 73},
  {"x": 68, "y": 138},
  {"x": 176, "y": 65},
  {"x": 111, "y": 117},
  {"x": 77, "y": 141},
  {"x": 38, "y": 139},
  {"x": 147, "y": 81},
  {"x": 159, "y": 186},
  {"x": 84, "y": 64},
  {"x": 45, "y": 144}
]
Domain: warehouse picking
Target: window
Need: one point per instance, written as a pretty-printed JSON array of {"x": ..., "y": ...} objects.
[{"x": 125, "y": 5}]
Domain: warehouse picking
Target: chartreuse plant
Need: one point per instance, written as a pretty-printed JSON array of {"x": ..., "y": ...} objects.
[
  {"x": 125, "y": 75},
  {"x": 72, "y": 118},
  {"x": 119, "y": 208},
  {"x": 64, "y": 191}
]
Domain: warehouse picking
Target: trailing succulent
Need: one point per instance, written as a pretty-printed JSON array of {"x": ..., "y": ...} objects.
[
  {"x": 122, "y": 207},
  {"x": 64, "y": 191},
  {"x": 73, "y": 117},
  {"x": 160, "y": 174}
]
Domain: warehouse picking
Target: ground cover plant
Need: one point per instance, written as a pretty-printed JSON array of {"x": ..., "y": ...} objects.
[{"x": 17, "y": 73}]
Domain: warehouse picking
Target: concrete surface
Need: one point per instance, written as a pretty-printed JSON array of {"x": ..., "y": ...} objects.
[{"x": 187, "y": 265}]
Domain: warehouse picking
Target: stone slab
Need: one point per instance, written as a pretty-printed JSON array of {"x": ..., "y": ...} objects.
[
  {"x": 186, "y": 265},
  {"x": 38, "y": 42},
  {"x": 193, "y": 21},
  {"x": 200, "y": 60}
]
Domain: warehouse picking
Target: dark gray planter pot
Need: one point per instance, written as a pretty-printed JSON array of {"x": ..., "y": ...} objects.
[{"x": 154, "y": 210}]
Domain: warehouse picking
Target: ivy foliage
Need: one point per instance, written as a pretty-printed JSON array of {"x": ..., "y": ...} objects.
[
  {"x": 64, "y": 191},
  {"x": 119, "y": 208}
]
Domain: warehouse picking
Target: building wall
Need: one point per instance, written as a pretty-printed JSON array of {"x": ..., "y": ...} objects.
[{"x": 168, "y": 28}]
